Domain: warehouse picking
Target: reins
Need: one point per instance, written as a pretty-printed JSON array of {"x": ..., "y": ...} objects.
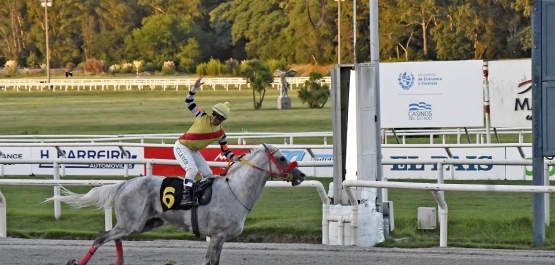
[
  {"x": 283, "y": 171},
  {"x": 227, "y": 180}
]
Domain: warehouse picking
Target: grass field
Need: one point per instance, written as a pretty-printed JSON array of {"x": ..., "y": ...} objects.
[{"x": 499, "y": 220}]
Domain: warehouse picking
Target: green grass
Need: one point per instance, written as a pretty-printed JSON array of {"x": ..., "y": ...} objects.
[
  {"x": 476, "y": 219},
  {"x": 143, "y": 112},
  {"x": 500, "y": 220}
]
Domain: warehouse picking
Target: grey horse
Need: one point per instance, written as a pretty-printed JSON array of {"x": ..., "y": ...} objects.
[{"x": 139, "y": 209}]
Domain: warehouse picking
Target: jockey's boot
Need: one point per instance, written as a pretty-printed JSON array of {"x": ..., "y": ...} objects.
[
  {"x": 188, "y": 197},
  {"x": 206, "y": 177}
]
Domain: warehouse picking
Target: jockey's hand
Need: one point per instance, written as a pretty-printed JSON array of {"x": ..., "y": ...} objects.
[
  {"x": 236, "y": 158},
  {"x": 198, "y": 84}
]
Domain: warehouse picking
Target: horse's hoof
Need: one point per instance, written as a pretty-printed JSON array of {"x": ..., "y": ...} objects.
[
  {"x": 72, "y": 262},
  {"x": 171, "y": 262}
]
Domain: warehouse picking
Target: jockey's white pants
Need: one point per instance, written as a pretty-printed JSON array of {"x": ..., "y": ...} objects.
[{"x": 192, "y": 161}]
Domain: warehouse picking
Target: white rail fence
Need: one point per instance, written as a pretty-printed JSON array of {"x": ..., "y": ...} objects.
[
  {"x": 389, "y": 136},
  {"x": 472, "y": 135},
  {"x": 326, "y": 218},
  {"x": 56, "y": 182},
  {"x": 437, "y": 192},
  {"x": 108, "y": 211},
  {"x": 438, "y": 188},
  {"x": 242, "y": 137},
  {"x": 140, "y": 83}
]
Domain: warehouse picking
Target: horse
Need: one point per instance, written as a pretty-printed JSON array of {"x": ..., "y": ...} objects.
[{"x": 138, "y": 203}]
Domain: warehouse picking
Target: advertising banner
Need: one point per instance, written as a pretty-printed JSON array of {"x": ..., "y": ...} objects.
[
  {"x": 461, "y": 172},
  {"x": 431, "y": 94},
  {"x": 209, "y": 154},
  {"x": 405, "y": 171},
  {"x": 89, "y": 152},
  {"x": 19, "y": 153},
  {"x": 215, "y": 155},
  {"x": 510, "y": 93}
]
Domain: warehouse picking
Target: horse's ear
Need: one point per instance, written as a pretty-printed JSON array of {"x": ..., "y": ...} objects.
[{"x": 265, "y": 147}]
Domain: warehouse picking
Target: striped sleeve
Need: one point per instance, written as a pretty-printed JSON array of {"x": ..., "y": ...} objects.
[
  {"x": 225, "y": 148},
  {"x": 192, "y": 106}
]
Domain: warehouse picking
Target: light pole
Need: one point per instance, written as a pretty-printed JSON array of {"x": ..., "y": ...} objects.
[
  {"x": 339, "y": 30},
  {"x": 47, "y": 4}
]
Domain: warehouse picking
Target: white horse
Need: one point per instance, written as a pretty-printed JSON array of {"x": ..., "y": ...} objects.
[{"x": 141, "y": 206}]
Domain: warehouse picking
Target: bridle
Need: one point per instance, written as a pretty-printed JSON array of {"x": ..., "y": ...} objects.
[{"x": 283, "y": 171}]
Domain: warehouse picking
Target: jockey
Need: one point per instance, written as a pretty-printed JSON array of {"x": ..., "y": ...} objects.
[{"x": 205, "y": 130}]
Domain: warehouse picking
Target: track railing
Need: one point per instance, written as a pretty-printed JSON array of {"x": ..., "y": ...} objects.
[
  {"x": 437, "y": 191},
  {"x": 108, "y": 211},
  {"x": 56, "y": 182},
  {"x": 141, "y": 83}
]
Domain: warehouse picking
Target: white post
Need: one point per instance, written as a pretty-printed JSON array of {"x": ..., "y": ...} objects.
[
  {"x": 438, "y": 195},
  {"x": 57, "y": 203},
  {"x": 325, "y": 224},
  {"x": 149, "y": 168},
  {"x": 486, "y": 100},
  {"x": 340, "y": 234},
  {"x": 3, "y": 222},
  {"x": 546, "y": 195},
  {"x": 108, "y": 218}
]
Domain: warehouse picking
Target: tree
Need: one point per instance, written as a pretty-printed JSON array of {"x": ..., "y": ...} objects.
[
  {"x": 160, "y": 38},
  {"x": 313, "y": 92},
  {"x": 259, "y": 77},
  {"x": 11, "y": 39}
]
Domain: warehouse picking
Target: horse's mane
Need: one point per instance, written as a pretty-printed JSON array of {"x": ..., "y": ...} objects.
[{"x": 254, "y": 157}]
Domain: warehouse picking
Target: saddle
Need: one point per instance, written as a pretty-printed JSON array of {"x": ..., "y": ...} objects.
[{"x": 171, "y": 193}]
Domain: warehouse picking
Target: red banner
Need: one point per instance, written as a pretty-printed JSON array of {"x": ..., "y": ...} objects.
[{"x": 210, "y": 154}]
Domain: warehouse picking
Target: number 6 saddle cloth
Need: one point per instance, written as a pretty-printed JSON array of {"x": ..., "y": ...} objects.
[{"x": 171, "y": 193}]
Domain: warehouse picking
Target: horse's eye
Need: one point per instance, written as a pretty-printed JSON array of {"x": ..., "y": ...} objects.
[{"x": 283, "y": 158}]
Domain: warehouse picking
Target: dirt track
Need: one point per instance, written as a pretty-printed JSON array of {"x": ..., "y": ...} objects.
[{"x": 27, "y": 251}]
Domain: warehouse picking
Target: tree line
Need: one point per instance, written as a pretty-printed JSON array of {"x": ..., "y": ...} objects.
[{"x": 190, "y": 32}]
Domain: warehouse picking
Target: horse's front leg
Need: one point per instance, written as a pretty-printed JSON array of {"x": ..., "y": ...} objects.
[{"x": 214, "y": 249}]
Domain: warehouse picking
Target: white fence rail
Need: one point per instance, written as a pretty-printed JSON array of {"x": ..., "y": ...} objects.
[
  {"x": 390, "y": 136},
  {"x": 437, "y": 191},
  {"x": 472, "y": 135},
  {"x": 108, "y": 211},
  {"x": 326, "y": 218},
  {"x": 288, "y": 138},
  {"x": 140, "y": 83}
]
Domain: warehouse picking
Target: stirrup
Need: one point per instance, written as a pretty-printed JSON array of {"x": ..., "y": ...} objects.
[{"x": 187, "y": 203}]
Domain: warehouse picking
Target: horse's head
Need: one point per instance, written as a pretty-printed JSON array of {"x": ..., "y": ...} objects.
[{"x": 285, "y": 169}]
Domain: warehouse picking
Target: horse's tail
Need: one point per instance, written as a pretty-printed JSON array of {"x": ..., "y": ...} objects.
[{"x": 101, "y": 197}]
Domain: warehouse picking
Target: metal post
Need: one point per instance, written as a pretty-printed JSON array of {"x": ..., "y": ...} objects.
[
  {"x": 537, "y": 127},
  {"x": 46, "y": 4},
  {"x": 485, "y": 72},
  {"x": 375, "y": 59},
  {"x": 339, "y": 31},
  {"x": 354, "y": 31}
]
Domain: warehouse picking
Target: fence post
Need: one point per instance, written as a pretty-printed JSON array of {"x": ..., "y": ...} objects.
[
  {"x": 57, "y": 203},
  {"x": 3, "y": 222}
]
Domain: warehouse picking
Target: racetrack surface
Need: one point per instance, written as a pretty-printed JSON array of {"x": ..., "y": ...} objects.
[{"x": 45, "y": 252}]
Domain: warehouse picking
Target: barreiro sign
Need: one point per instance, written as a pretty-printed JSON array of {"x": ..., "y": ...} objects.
[
  {"x": 431, "y": 94},
  {"x": 77, "y": 153}
]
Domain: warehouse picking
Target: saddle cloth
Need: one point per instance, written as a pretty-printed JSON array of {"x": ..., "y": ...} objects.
[{"x": 171, "y": 193}]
